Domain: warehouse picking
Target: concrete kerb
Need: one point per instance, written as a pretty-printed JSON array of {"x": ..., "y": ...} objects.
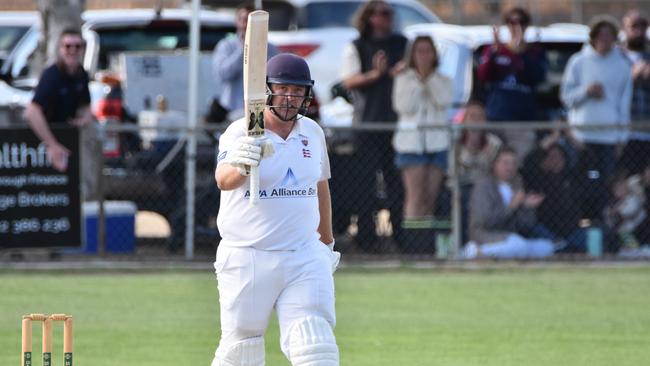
[{"x": 352, "y": 265}]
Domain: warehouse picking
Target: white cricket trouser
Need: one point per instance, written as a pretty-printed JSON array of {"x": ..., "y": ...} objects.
[
  {"x": 252, "y": 282},
  {"x": 516, "y": 246}
]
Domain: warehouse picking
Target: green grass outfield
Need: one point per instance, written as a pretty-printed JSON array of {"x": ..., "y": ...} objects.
[{"x": 513, "y": 316}]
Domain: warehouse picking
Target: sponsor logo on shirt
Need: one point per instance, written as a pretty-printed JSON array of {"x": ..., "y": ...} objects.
[
  {"x": 289, "y": 189},
  {"x": 285, "y": 193}
]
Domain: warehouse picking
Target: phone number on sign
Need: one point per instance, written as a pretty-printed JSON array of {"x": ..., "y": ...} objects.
[{"x": 34, "y": 225}]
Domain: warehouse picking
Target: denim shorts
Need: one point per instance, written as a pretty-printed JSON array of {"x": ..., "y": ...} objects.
[{"x": 438, "y": 158}]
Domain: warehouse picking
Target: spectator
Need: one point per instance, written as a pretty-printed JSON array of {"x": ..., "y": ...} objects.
[
  {"x": 371, "y": 61},
  {"x": 597, "y": 89},
  {"x": 477, "y": 148},
  {"x": 546, "y": 170},
  {"x": 476, "y": 151},
  {"x": 642, "y": 232},
  {"x": 511, "y": 73},
  {"x": 635, "y": 48},
  {"x": 421, "y": 97},
  {"x": 501, "y": 212},
  {"x": 626, "y": 209},
  {"x": 227, "y": 66},
  {"x": 369, "y": 65},
  {"x": 62, "y": 96}
]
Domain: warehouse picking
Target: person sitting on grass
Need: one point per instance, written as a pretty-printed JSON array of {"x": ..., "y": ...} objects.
[
  {"x": 625, "y": 211},
  {"x": 501, "y": 212}
]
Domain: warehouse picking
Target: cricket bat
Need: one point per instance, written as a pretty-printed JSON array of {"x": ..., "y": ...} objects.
[{"x": 255, "y": 45}]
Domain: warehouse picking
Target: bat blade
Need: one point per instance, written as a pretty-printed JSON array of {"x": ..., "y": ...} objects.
[{"x": 255, "y": 53}]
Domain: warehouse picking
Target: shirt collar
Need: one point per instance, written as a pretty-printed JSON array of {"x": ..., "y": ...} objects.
[{"x": 296, "y": 133}]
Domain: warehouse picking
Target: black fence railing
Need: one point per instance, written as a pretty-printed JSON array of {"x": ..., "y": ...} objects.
[{"x": 585, "y": 199}]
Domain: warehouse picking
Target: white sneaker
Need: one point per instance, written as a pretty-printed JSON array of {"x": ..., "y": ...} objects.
[{"x": 471, "y": 250}]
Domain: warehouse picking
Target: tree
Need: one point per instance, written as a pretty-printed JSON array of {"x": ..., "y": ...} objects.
[{"x": 56, "y": 15}]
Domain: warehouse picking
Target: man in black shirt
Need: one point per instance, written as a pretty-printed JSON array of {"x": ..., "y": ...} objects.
[
  {"x": 62, "y": 96},
  {"x": 370, "y": 63}
]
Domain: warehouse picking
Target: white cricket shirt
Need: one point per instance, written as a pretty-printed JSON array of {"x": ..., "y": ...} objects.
[{"x": 286, "y": 216}]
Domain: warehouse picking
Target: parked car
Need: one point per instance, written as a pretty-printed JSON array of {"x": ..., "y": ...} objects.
[
  {"x": 460, "y": 47},
  {"x": 110, "y": 32},
  {"x": 319, "y": 30},
  {"x": 154, "y": 178},
  {"x": 13, "y": 26}
]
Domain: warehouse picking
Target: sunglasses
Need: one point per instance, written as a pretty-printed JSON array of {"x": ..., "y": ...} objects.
[
  {"x": 76, "y": 46},
  {"x": 383, "y": 12}
]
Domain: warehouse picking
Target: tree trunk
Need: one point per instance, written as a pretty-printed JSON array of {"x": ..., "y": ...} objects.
[{"x": 56, "y": 15}]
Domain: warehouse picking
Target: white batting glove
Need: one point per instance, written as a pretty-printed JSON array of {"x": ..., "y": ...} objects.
[
  {"x": 248, "y": 152},
  {"x": 335, "y": 257},
  {"x": 245, "y": 154}
]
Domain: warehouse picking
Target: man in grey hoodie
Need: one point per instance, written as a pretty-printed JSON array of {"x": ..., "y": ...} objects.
[{"x": 597, "y": 89}]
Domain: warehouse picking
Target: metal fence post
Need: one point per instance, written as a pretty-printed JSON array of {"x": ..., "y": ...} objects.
[
  {"x": 101, "y": 223},
  {"x": 456, "y": 228},
  {"x": 192, "y": 114}
]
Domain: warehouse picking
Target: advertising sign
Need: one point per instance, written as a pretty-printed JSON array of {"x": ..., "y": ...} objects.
[{"x": 39, "y": 206}]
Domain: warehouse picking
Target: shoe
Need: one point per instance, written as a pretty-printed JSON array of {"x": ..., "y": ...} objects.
[
  {"x": 471, "y": 250},
  {"x": 560, "y": 246}
]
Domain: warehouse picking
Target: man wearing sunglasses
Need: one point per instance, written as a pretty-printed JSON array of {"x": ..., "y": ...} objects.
[
  {"x": 62, "y": 96},
  {"x": 370, "y": 63}
]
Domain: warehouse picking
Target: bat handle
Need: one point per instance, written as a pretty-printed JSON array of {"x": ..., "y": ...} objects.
[{"x": 255, "y": 185}]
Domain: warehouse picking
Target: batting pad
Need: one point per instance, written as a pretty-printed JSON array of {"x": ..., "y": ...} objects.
[
  {"x": 312, "y": 343},
  {"x": 249, "y": 352}
]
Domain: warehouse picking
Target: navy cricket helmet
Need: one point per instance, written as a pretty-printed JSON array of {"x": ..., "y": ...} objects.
[{"x": 289, "y": 69}]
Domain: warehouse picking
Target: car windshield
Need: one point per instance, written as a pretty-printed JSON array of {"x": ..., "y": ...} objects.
[
  {"x": 558, "y": 55},
  {"x": 113, "y": 41},
  {"x": 324, "y": 15},
  {"x": 9, "y": 37},
  {"x": 340, "y": 14}
]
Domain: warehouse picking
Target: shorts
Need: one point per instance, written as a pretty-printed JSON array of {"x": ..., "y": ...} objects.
[{"x": 438, "y": 158}]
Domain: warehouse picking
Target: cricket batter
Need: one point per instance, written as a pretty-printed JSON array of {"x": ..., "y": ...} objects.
[{"x": 279, "y": 253}]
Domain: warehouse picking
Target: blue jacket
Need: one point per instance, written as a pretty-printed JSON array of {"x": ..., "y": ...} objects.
[{"x": 227, "y": 66}]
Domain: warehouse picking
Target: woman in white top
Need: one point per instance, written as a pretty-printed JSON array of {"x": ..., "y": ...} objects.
[{"x": 421, "y": 97}]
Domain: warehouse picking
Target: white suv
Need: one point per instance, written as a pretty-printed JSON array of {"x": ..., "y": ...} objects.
[{"x": 110, "y": 32}]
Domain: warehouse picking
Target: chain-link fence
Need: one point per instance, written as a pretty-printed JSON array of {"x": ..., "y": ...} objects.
[
  {"x": 591, "y": 194},
  {"x": 148, "y": 168}
]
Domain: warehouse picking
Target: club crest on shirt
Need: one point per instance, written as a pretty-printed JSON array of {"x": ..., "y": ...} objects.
[{"x": 305, "y": 142}]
